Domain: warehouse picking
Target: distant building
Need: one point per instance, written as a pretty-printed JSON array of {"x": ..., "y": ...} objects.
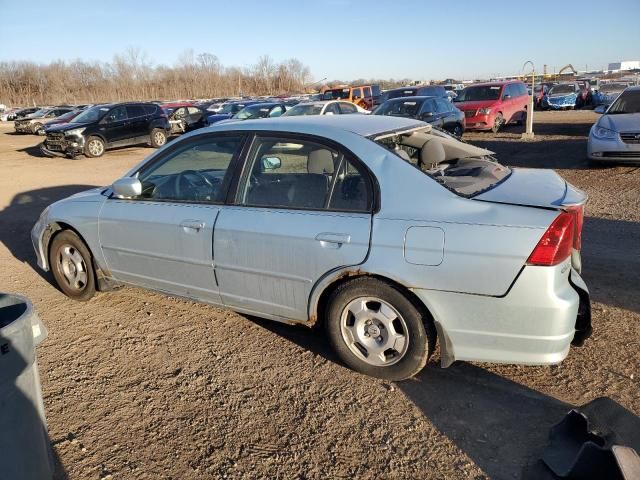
[{"x": 624, "y": 65}]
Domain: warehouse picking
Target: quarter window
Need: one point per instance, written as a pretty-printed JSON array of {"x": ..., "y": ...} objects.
[
  {"x": 194, "y": 172},
  {"x": 348, "y": 108}
]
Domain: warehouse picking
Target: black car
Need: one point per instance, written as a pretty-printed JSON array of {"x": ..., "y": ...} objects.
[
  {"x": 418, "y": 91},
  {"x": 107, "y": 126},
  {"x": 437, "y": 111},
  {"x": 22, "y": 113}
]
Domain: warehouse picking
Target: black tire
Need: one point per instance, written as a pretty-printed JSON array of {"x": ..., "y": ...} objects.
[
  {"x": 498, "y": 123},
  {"x": 420, "y": 334},
  {"x": 94, "y": 147},
  {"x": 157, "y": 138},
  {"x": 457, "y": 130},
  {"x": 64, "y": 246}
]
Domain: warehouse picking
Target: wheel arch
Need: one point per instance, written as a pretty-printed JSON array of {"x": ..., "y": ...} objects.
[{"x": 318, "y": 301}]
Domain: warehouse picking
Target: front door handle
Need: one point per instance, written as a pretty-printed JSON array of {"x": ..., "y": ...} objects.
[
  {"x": 192, "y": 225},
  {"x": 334, "y": 240}
]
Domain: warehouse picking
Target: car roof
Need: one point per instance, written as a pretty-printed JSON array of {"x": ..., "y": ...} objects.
[
  {"x": 321, "y": 102},
  {"x": 414, "y": 98},
  {"x": 265, "y": 104},
  {"x": 501, "y": 82},
  {"x": 363, "y": 125}
]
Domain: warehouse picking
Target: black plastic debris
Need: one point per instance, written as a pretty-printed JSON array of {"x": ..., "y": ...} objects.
[{"x": 597, "y": 441}]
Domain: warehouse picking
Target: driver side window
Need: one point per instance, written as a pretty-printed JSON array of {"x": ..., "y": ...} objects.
[
  {"x": 117, "y": 114},
  {"x": 194, "y": 172}
]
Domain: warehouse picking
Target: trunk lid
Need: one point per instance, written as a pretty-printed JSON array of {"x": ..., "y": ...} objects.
[{"x": 534, "y": 187}]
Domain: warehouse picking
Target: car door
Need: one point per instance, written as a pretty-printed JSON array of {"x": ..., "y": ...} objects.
[
  {"x": 445, "y": 111},
  {"x": 196, "y": 118},
  {"x": 138, "y": 127},
  {"x": 508, "y": 102},
  {"x": 302, "y": 209},
  {"x": 163, "y": 239},
  {"x": 114, "y": 125},
  {"x": 429, "y": 112}
]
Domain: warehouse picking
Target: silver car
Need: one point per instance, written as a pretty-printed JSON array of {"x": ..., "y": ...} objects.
[
  {"x": 615, "y": 137},
  {"x": 392, "y": 234}
]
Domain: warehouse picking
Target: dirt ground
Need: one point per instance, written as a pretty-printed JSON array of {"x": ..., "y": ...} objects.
[{"x": 138, "y": 385}]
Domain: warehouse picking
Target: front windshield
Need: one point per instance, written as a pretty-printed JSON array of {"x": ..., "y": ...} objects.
[
  {"x": 68, "y": 115},
  {"x": 562, "y": 89},
  {"x": 91, "y": 115},
  {"x": 254, "y": 111},
  {"x": 400, "y": 108},
  {"x": 612, "y": 87},
  {"x": 231, "y": 108},
  {"x": 480, "y": 93},
  {"x": 337, "y": 94},
  {"x": 304, "y": 109},
  {"x": 627, "y": 102}
]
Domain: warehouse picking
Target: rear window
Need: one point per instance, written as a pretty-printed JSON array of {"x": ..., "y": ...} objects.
[
  {"x": 134, "y": 111},
  {"x": 150, "y": 109},
  {"x": 458, "y": 166}
]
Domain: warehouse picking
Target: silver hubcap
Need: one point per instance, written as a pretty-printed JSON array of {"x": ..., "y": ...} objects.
[
  {"x": 95, "y": 147},
  {"x": 73, "y": 267},
  {"x": 374, "y": 331},
  {"x": 159, "y": 138}
]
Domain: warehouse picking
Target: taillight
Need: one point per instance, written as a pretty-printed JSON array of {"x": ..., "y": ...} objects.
[
  {"x": 578, "y": 220},
  {"x": 556, "y": 243}
]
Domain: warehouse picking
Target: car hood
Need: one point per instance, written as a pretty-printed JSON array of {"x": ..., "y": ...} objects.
[
  {"x": 534, "y": 187},
  {"x": 475, "y": 105},
  {"x": 63, "y": 127},
  {"x": 623, "y": 122}
]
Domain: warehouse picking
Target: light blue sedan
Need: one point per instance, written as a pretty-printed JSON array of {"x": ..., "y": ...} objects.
[{"x": 392, "y": 234}]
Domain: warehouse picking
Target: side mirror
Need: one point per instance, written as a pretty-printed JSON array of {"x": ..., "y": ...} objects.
[
  {"x": 127, "y": 187},
  {"x": 600, "y": 109},
  {"x": 506, "y": 97},
  {"x": 426, "y": 115},
  {"x": 271, "y": 163},
  {"x": 328, "y": 113}
]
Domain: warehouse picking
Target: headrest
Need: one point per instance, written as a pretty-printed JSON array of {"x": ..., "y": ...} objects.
[
  {"x": 320, "y": 161},
  {"x": 432, "y": 153}
]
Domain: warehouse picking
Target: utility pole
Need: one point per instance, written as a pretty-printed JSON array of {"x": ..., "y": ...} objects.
[{"x": 528, "y": 134}]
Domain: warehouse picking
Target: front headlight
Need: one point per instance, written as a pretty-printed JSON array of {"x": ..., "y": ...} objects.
[
  {"x": 604, "y": 133},
  {"x": 76, "y": 132},
  {"x": 484, "y": 111}
]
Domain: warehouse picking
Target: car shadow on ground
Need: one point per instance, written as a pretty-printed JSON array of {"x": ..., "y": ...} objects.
[
  {"x": 21, "y": 214},
  {"x": 610, "y": 262},
  {"x": 501, "y": 425},
  {"x": 32, "y": 151}
]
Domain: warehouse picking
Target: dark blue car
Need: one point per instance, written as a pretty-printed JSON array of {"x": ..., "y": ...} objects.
[{"x": 229, "y": 109}]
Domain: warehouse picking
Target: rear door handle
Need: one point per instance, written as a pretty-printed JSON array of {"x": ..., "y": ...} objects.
[
  {"x": 191, "y": 225},
  {"x": 334, "y": 240}
]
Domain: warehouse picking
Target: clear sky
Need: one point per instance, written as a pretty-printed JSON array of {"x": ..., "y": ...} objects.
[{"x": 338, "y": 39}]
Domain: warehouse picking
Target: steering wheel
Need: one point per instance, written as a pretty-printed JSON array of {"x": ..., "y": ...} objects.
[{"x": 184, "y": 175}]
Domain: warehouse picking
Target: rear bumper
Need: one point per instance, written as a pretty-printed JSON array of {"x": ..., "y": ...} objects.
[{"x": 545, "y": 311}]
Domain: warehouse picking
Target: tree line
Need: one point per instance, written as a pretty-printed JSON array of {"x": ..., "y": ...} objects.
[{"x": 131, "y": 76}]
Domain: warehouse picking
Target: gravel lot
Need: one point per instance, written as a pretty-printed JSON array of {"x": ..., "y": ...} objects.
[{"x": 139, "y": 385}]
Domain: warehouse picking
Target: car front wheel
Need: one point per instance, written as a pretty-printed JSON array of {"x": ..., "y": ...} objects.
[
  {"x": 94, "y": 147},
  {"x": 376, "y": 330},
  {"x": 158, "y": 138},
  {"x": 498, "y": 122},
  {"x": 71, "y": 266}
]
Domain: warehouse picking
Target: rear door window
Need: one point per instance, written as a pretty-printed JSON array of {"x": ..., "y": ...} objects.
[
  {"x": 117, "y": 114},
  {"x": 356, "y": 93},
  {"x": 348, "y": 108},
  {"x": 367, "y": 92},
  {"x": 135, "y": 111}
]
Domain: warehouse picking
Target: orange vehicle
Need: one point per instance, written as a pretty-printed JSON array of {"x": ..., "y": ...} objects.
[{"x": 362, "y": 95}]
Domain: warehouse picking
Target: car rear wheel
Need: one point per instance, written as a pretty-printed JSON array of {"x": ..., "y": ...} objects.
[
  {"x": 158, "y": 138},
  {"x": 376, "y": 330},
  {"x": 457, "y": 130},
  {"x": 498, "y": 123},
  {"x": 94, "y": 147},
  {"x": 71, "y": 266}
]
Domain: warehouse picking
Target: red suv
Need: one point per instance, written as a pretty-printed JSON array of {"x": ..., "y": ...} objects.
[{"x": 490, "y": 106}]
